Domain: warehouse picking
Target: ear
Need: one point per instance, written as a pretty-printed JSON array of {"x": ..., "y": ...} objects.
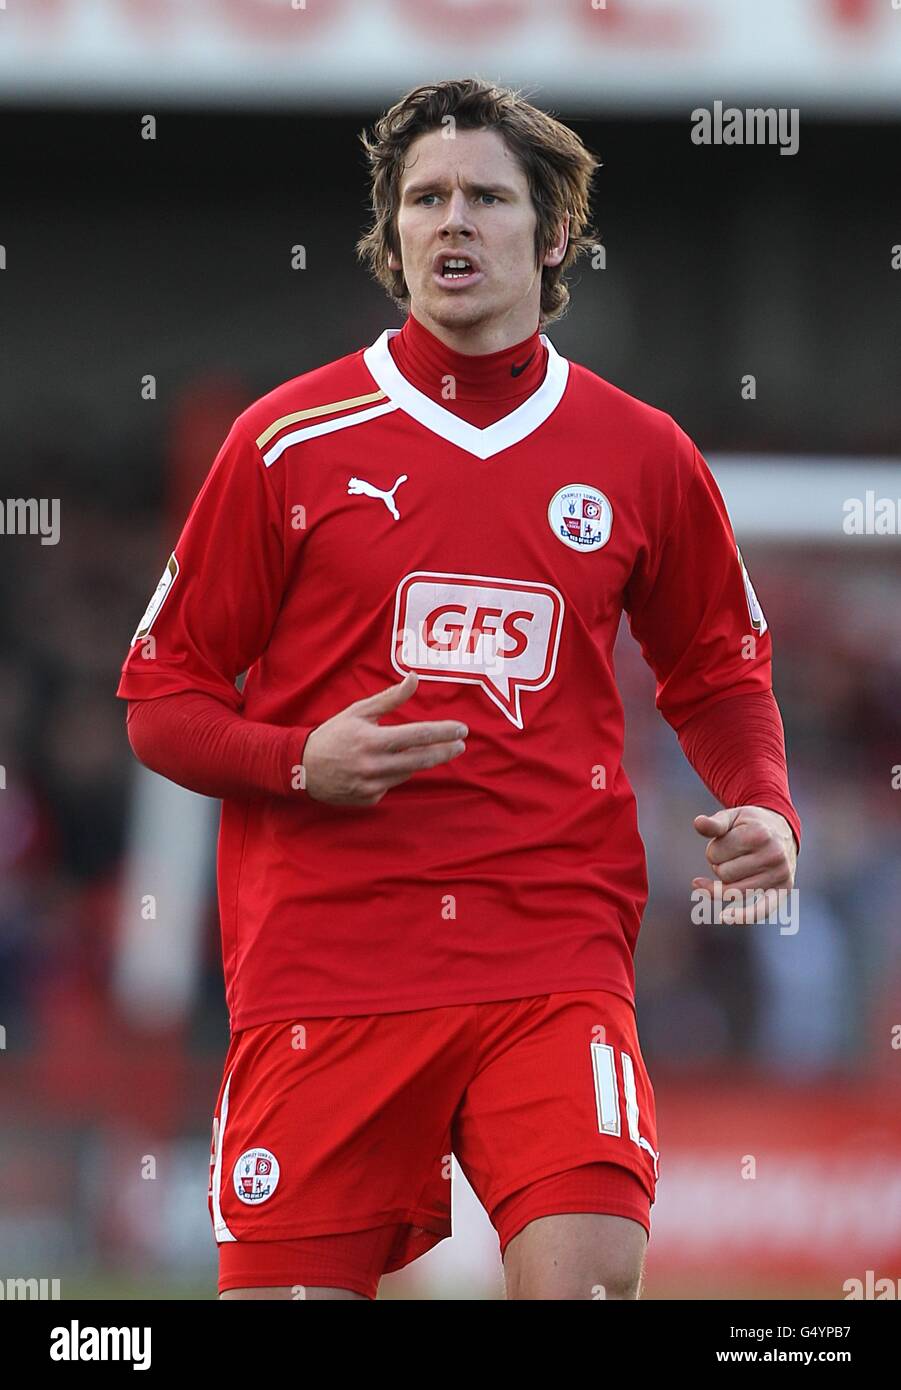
[
  {"x": 394, "y": 262},
  {"x": 558, "y": 251}
]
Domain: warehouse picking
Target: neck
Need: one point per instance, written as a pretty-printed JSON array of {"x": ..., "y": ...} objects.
[
  {"x": 479, "y": 339},
  {"x": 504, "y": 377}
]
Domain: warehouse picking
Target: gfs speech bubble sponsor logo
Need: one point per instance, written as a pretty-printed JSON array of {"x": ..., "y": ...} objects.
[{"x": 499, "y": 634}]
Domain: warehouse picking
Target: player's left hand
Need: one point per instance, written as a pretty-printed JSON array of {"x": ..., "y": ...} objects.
[{"x": 749, "y": 847}]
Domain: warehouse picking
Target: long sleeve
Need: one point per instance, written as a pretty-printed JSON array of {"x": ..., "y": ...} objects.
[
  {"x": 695, "y": 614},
  {"x": 737, "y": 748},
  {"x": 199, "y": 742},
  {"x": 216, "y": 604},
  {"x": 692, "y": 607}
]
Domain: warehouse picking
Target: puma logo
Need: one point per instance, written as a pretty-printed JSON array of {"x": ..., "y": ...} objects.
[{"x": 358, "y": 486}]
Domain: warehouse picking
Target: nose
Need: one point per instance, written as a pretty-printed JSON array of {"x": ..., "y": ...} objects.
[{"x": 456, "y": 220}]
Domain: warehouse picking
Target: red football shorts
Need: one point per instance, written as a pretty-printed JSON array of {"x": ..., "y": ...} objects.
[{"x": 332, "y": 1139}]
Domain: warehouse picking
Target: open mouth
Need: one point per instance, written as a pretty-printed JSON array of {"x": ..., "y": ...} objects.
[{"x": 456, "y": 269}]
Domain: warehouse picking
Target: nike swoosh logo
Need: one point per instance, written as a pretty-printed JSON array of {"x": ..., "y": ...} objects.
[{"x": 518, "y": 371}]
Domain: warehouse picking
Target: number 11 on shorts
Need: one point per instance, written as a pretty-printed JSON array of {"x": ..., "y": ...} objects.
[{"x": 606, "y": 1094}]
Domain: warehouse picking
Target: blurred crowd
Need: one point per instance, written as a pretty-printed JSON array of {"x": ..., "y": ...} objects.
[{"x": 822, "y": 995}]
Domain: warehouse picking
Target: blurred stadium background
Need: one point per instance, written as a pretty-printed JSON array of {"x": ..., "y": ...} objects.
[{"x": 127, "y": 258}]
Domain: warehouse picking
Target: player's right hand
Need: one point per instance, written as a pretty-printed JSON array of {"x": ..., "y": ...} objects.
[{"x": 352, "y": 760}]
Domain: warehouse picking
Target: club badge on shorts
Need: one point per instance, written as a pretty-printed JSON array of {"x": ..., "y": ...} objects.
[
  {"x": 580, "y": 517},
  {"x": 256, "y": 1176}
]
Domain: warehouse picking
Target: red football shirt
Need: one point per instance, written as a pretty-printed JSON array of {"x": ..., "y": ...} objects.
[{"x": 353, "y": 529}]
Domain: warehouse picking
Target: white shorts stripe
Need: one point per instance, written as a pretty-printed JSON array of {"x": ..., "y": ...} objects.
[{"x": 220, "y": 1228}]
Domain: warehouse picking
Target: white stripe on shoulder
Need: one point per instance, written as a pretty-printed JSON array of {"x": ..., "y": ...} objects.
[{"x": 326, "y": 427}]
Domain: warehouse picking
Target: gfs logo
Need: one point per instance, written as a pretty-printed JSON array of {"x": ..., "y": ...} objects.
[{"x": 499, "y": 634}]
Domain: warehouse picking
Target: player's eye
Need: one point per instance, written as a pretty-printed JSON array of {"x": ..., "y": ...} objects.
[{"x": 424, "y": 197}]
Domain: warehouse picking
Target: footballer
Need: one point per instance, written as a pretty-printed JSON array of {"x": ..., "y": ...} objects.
[{"x": 430, "y": 875}]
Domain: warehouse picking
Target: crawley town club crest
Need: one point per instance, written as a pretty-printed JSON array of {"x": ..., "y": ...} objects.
[
  {"x": 580, "y": 517},
  {"x": 256, "y": 1176}
]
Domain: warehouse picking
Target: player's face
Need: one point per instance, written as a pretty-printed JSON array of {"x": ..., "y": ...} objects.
[{"x": 467, "y": 198}]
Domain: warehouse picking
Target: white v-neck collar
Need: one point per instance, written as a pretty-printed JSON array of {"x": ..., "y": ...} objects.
[{"x": 510, "y": 429}]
